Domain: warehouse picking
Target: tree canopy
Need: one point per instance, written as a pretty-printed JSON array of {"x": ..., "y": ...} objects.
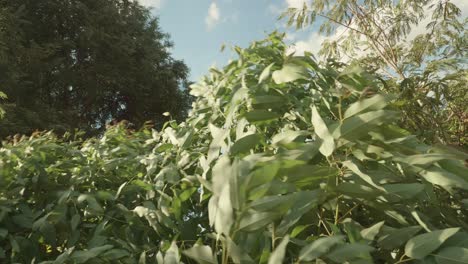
[
  {"x": 82, "y": 63},
  {"x": 418, "y": 47}
]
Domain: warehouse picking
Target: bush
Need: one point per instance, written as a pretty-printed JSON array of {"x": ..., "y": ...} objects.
[{"x": 282, "y": 160}]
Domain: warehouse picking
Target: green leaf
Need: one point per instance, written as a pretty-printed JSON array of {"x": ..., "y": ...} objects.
[
  {"x": 357, "y": 190},
  {"x": 277, "y": 257},
  {"x": 265, "y": 73},
  {"x": 245, "y": 144},
  {"x": 354, "y": 168},
  {"x": 287, "y": 136},
  {"x": 420, "y": 246},
  {"x": 460, "y": 239},
  {"x": 237, "y": 254},
  {"x": 172, "y": 254},
  {"x": 83, "y": 256},
  {"x": 398, "y": 237},
  {"x": 224, "y": 194},
  {"x": 444, "y": 178},
  {"x": 3, "y": 233},
  {"x": 202, "y": 254},
  {"x": 358, "y": 126},
  {"x": 452, "y": 255},
  {"x": 319, "y": 247},
  {"x": 348, "y": 252},
  {"x": 64, "y": 257},
  {"x": 305, "y": 175},
  {"x": 305, "y": 202},
  {"x": 425, "y": 159},
  {"x": 298, "y": 229},
  {"x": 289, "y": 73},
  {"x": 404, "y": 190},
  {"x": 115, "y": 254},
  {"x": 254, "y": 220},
  {"x": 142, "y": 258},
  {"x": 321, "y": 129},
  {"x": 278, "y": 203},
  {"x": 376, "y": 102},
  {"x": 261, "y": 116},
  {"x": 267, "y": 99},
  {"x": 371, "y": 232}
]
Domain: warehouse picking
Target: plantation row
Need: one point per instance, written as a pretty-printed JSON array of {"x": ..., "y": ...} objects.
[{"x": 282, "y": 160}]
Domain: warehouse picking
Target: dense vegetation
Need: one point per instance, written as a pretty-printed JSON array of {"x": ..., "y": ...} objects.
[
  {"x": 80, "y": 64},
  {"x": 281, "y": 160},
  {"x": 428, "y": 70}
]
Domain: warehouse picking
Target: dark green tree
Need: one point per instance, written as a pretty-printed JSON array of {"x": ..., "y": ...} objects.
[{"x": 82, "y": 63}]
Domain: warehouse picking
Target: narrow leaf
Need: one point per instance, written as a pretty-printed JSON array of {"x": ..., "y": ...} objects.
[
  {"x": 452, "y": 255},
  {"x": 289, "y": 73},
  {"x": 277, "y": 257},
  {"x": 245, "y": 143},
  {"x": 265, "y": 73},
  {"x": 202, "y": 254},
  {"x": 328, "y": 144},
  {"x": 319, "y": 247},
  {"x": 420, "y": 246}
]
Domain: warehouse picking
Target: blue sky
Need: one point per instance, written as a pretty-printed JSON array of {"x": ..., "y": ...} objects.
[{"x": 199, "y": 28}]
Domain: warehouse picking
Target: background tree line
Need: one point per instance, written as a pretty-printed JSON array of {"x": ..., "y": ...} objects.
[{"x": 82, "y": 63}]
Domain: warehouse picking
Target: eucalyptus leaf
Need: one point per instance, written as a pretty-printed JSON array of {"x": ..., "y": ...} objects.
[
  {"x": 245, "y": 143},
  {"x": 202, "y": 254},
  {"x": 350, "y": 252},
  {"x": 289, "y": 73},
  {"x": 420, "y": 246},
  {"x": 398, "y": 237},
  {"x": 277, "y": 256},
  {"x": 265, "y": 73},
  {"x": 452, "y": 255},
  {"x": 319, "y": 247},
  {"x": 328, "y": 144}
]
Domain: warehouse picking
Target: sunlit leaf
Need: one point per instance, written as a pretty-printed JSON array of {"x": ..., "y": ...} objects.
[
  {"x": 277, "y": 257},
  {"x": 202, "y": 254},
  {"x": 423, "y": 245},
  {"x": 289, "y": 73},
  {"x": 320, "y": 128}
]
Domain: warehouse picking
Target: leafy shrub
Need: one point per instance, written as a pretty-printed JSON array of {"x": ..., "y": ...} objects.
[{"x": 282, "y": 160}]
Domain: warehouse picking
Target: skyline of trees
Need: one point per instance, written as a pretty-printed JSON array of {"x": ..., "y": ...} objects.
[{"x": 82, "y": 63}]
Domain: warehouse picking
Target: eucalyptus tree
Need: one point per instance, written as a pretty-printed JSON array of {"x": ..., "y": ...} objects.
[{"x": 420, "y": 49}]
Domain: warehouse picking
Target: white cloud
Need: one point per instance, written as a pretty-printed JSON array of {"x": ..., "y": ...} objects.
[
  {"x": 213, "y": 17},
  {"x": 314, "y": 42},
  {"x": 275, "y": 9},
  {"x": 296, "y": 3},
  {"x": 463, "y": 5},
  {"x": 152, "y": 3},
  {"x": 311, "y": 44}
]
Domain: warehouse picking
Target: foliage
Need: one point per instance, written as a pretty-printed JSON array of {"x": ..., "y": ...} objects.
[
  {"x": 2, "y": 111},
  {"x": 280, "y": 161},
  {"x": 87, "y": 62},
  {"x": 427, "y": 70}
]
